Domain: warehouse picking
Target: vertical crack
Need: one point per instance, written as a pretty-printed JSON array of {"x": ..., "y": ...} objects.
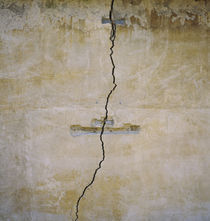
[{"x": 112, "y": 39}]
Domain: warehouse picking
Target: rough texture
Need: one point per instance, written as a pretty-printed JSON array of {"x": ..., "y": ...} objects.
[{"x": 55, "y": 72}]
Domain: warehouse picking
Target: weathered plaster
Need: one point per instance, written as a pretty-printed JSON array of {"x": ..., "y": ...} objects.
[{"x": 55, "y": 72}]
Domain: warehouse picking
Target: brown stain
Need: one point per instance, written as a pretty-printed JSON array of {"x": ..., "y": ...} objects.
[
  {"x": 65, "y": 25},
  {"x": 77, "y": 27},
  {"x": 132, "y": 2},
  {"x": 155, "y": 20},
  {"x": 112, "y": 186},
  {"x": 193, "y": 19},
  {"x": 11, "y": 86},
  {"x": 55, "y": 201},
  {"x": 81, "y": 24},
  {"x": 50, "y": 3},
  {"x": 125, "y": 31},
  {"x": 37, "y": 81},
  {"x": 68, "y": 201},
  {"x": 173, "y": 21},
  {"x": 66, "y": 177},
  {"x": 188, "y": 151},
  {"x": 4, "y": 91},
  {"x": 128, "y": 150},
  {"x": 105, "y": 194},
  {"x": 136, "y": 21},
  {"x": 49, "y": 200},
  {"x": 22, "y": 198}
]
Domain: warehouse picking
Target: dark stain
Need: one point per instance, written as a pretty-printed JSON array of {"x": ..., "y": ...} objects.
[
  {"x": 174, "y": 23},
  {"x": 155, "y": 20},
  {"x": 193, "y": 19},
  {"x": 135, "y": 20},
  {"x": 15, "y": 8},
  {"x": 166, "y": 3},
  {"x": 50, "y": 4},
  {"x": 135, "y": 2},
  {"x": 162, "y": 21},
  {"x": 132, "y": 2}
]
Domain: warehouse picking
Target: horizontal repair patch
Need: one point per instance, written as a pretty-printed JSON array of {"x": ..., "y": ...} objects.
[{"x": 117, "y": 21}]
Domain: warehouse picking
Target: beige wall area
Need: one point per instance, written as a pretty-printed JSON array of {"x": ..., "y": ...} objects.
[{"x": 55, "y": 72}]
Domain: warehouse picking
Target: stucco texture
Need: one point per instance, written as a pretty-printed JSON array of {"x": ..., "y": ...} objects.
[{"x": 55, "y": 71}]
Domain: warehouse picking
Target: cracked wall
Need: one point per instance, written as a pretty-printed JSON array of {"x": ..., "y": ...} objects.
[{"x": 55, "y": 71}]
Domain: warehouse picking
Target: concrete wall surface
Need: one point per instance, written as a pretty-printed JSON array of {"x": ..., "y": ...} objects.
[{"x": 55, "y": 72}]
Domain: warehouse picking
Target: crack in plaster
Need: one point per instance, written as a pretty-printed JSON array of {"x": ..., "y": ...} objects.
[{"x": 112, "y": 39}]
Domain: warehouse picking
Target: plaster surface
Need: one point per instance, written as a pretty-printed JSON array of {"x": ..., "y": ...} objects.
[{"x": 55, "y": 72}]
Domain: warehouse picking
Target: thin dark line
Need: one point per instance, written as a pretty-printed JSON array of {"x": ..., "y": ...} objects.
[{"x": 112, "y": 39}]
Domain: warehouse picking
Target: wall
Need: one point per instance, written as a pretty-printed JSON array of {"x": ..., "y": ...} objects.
[{"x": 55, "y": 71}]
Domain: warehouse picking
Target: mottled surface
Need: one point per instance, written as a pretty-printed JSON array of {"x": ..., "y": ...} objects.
[{"x": 55, "y": 72}]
